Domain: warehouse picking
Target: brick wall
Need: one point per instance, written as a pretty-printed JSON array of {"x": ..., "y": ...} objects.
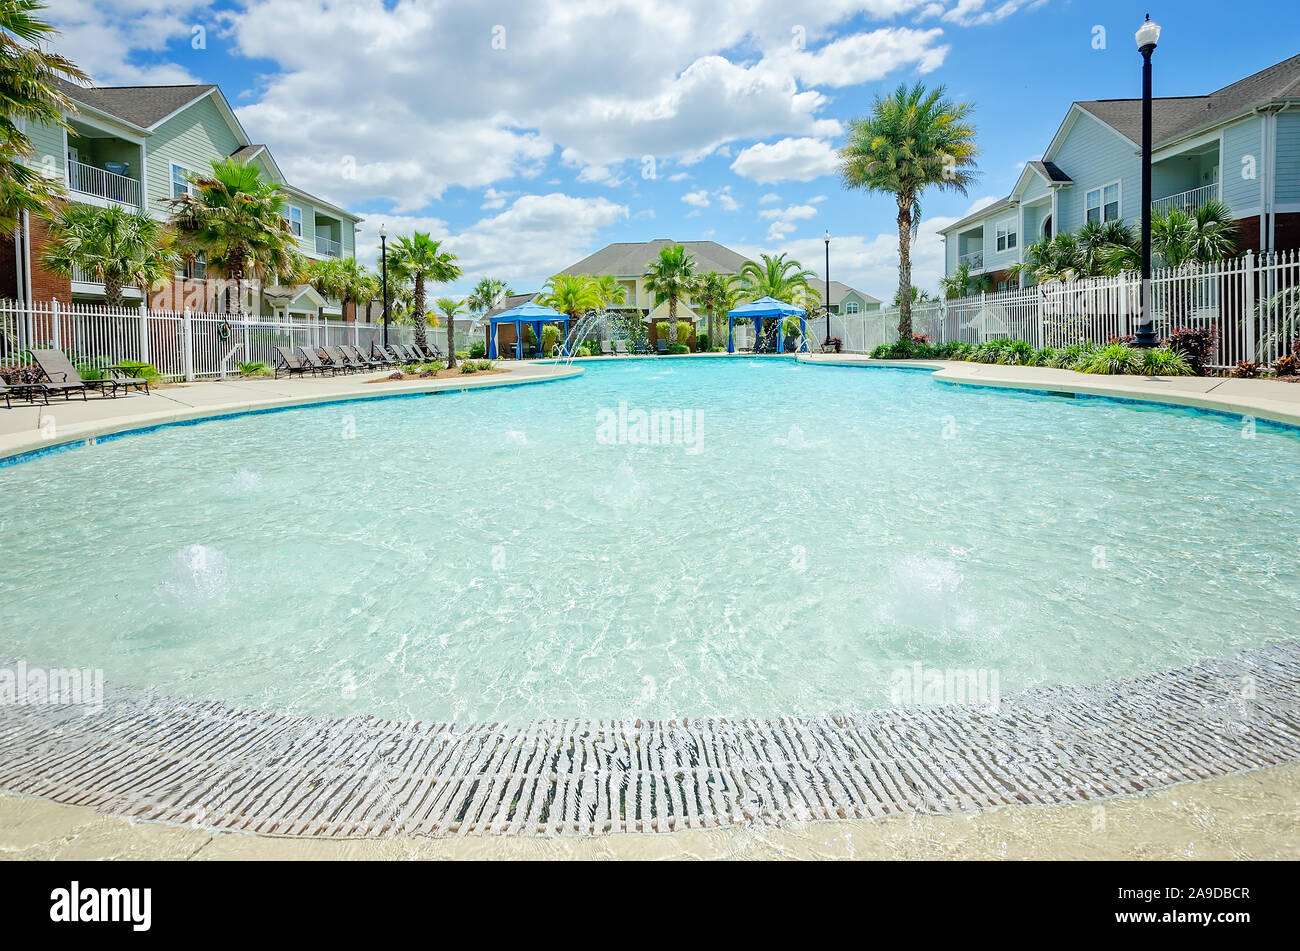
[{"x": 45, "y": 286}]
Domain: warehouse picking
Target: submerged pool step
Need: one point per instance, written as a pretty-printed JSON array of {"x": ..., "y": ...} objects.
[{"x": 215, "y": 766}]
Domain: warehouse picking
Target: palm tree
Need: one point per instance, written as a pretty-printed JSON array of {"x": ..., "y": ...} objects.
[
  {"x": 28, "y": 94},
  {"x": 419, "y": 259},
  {"x": 670, "y": 277},
  {"x": 488, "y": 294},
  {"x": 611, "y": 293},
  {"x": 449, "y": 308},
  {"x": 918, "y": 297},
  {"x": 116, "y": 246},
  {"x": 913, "y": 140},
  {"x": 962, "y": 283},
  {"x": 236, "y": 220},
  {"x": 716, "y": 293},
  {"x": 571, "y": 294},
  {"x": 780, "y": 279}
]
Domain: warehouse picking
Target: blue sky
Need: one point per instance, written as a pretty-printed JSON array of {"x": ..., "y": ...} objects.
[{"x": 527, "y": 134}]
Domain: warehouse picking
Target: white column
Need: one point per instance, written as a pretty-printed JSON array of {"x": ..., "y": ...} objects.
[
  {"x": 144, "y": 332},
  {"x": 187, "y": 351}
]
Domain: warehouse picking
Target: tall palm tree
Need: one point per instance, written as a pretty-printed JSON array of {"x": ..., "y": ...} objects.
[
  {"x": 962, "y": 283},
  {"x": 118, "y": 247},
  {"x": 611, "y": 293},
  {"x": 420, "y": 259},
  {"x": 670, "y": 277},
  {"x": 780, "y": 279},
  {"x": 912, "y": 141},
  {"x": 717, "y": 293},
  {"x": 236, "y": 220},
  {"x": 1179, "y": 238},
  {"x": 366, "y": 290},
  {"x": 28, "y": 93},
  {"x": 571, "y": 294},
  {"x": 449, "y": 308}
]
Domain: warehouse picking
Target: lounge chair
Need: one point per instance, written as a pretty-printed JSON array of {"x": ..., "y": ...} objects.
[
  {"x": 395, "y": 358},
  {"x": 661, "y": 346},
  {"x": 360, "y": 359},
  {"x": 340, "y": 360},
  {"x": 640, "y": 347},
  {"x": 291, "y": 362},
  {"x": 62, "y": 376},
  {"x": 620, "y": 348},
  {"x": 312, "y": 356},
  {"x": 605, "y": 349},
  {"x": 27, "y": 391},
  {"x": 404, "y": 353}
]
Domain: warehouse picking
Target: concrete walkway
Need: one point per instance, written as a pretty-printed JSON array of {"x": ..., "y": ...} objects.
[
  {"x": 27, "y": 427},
  {"x": 1265, "y": 399}
]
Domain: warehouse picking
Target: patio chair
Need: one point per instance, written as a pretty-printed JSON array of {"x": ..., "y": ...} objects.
[
  {"x": 605, "y": 349},
  {"x": 641, "y": 348},
  {"x": 340, "y": 360},
  {"x": 312, "y": 356},
  {"x": 27, "y": 390},
  {"x": 291, "y": 362},
  {"x": 620, "y": 348},
  {"x": 661, "y": 346},
  {"x": 394, "y": 358},
  {"x": 362, "y": 361},
  {"x": 405, "y": 354},
  {"x": 63, "y": 377}
]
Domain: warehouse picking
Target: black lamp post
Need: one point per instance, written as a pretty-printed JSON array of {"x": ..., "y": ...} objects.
[
  {"x": 826, "y": 340},
  {"x": 383, "y": 266},
  {"x": 1147, "y": 36}
]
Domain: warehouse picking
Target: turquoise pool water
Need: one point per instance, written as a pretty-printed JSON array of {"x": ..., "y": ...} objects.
[{"x": 513, "y": 554}]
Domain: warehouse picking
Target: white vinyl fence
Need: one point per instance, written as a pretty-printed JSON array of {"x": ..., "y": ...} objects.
[
  {"x": 1253, "y": 302},
  {"x": 186, "y": 345}
]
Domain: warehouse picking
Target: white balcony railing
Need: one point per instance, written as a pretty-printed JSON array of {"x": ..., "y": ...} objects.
[
  {"x": 972, "y": 259},
  {"x": 102, "y": 183},
  {"x": 1187, "y": 201},
  {"x": 326, "y": 246}
]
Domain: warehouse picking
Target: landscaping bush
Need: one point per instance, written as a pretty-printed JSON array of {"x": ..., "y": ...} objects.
[
  {"x": 1113, "y": 359},
  {"x": 477, "y": 350},
  {"x": 684, "y": 328},
  {"x": 1288, "y": 365},
  {"x": 252, "y": 368},
  {"x": 1016, "y": 353},
  {"x": 469, "y": 366},
  {"x": 834, "y": 342},
  {"x": 1246, "y": 370},
  {"x": 702, "y": 343},
  {"x": 679, "y": 348},
  {"x": 1165, "y": 362},
  {"x": 1197, "y": 344},
  {"x": 550, "y": 339}
]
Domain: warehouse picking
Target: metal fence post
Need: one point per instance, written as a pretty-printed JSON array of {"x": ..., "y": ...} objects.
[
  {"x": 144, "y": 332},
  {"x": 187, "y": 352},
  {"x": 56, "y": 330},
  {"x": 1248, "y": 304}
]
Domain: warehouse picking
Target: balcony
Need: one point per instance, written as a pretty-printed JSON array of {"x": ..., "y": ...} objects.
[
  {"x": 1187, "y": 201},
  {"x": 972, "y": 259},
  {"x": 326, "y": 246},
  {"x": 101, "y": 185}
]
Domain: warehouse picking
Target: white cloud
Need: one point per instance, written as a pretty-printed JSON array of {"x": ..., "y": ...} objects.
[
  {"x": 726, "y": 200},
  {"x": 975, "y": 12},
  {"x": 495, "y": 199},
  {"x": 769, "y": 198},
  {"x": 862, "y": 57},
  {"x": 799, "y": 160},
  {"x": 103, "y": 39},
  {"x": 784, "y": 220},
  {"x": 697, "y": 199}
]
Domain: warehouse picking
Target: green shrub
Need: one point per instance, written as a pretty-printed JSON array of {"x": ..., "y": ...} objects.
[
  {"x": 150, "y": 372},
  {"x": 252, "y": 368},
  {"x": 469, "y": 366},
  {"x": 550, "y": 338},
  {"x": 1113, "y": 359},
  {"x": 1016, "y": 353},
  {"x": 679, "y": 348},
  {"x": 1043, "y": 357},
  {"x": 702, "y": 343},
  {"x": 477, "y": 350},
  {"x": 484, "y": 364},
  {"x": 1165, "y": 362}
]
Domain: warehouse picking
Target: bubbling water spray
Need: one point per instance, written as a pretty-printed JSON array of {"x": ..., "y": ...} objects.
[{"x": 198, "y": 574}]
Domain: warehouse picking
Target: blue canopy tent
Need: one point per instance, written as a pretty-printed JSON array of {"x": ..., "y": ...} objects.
[
  {"x": 757, "y": 311},
  {"x": 529, "y": 314}
]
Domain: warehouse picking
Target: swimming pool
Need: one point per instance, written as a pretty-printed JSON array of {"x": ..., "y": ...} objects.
[{"x": 797, "y": 537}]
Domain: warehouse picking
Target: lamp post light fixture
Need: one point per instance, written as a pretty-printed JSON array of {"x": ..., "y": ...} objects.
[
  {"x": 1147, "y": 36},
  {"x": 383, "y": 266},
  {"x": 826, "y": 339}
]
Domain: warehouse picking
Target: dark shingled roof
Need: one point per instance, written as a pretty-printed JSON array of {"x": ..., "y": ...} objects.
[
  {"x": 1176, "y": 117},
  {"x": 139, "y": 105},
  {"x": 514, "y": 300},
  {"x": 1050, "y": 171}
]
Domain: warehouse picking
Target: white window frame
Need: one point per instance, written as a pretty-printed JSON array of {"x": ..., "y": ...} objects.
[
  {"x": 1006, "y": 235},
  {"x": 185, "y": 180},
  {"x": 851, "y": 307},
  {"x": 1100, "y": 192},
  {"x": 289, "y": 218}
]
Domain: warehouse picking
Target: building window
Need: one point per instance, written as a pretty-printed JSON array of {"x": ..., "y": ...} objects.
[
  {"x": 1102, "y": 204},
  {"x": 851, "y": 307},
  {"x": 181, "y": 184},
  {"x": 1007, "y": 237},
  {"x": 1004, "y": 286},
  {"x": 294, "y": 217}
]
